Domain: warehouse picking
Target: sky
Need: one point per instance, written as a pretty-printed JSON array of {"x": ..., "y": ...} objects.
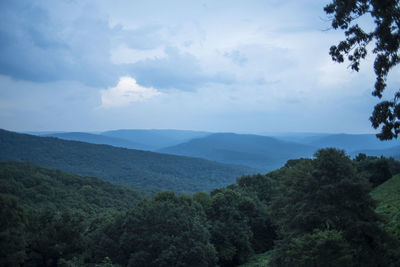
[{"x": 221, "y": 66}]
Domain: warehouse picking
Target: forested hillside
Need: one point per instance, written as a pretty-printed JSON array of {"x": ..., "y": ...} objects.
[
  {"x": 311, "y": 212},
  {"x": 47, "y": 215},
  {"x": 43, "y": 188},
  {"x": 51, "y": 218},
  {"x": 98, "y": 139},
  {"x": 139, "y": 169}
]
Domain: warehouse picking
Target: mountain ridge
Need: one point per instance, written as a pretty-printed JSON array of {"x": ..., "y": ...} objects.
[
  {"x": 263, "y": 152},
  {"x": 98, "y": 139},
  {"x": 139, "y": 169}
]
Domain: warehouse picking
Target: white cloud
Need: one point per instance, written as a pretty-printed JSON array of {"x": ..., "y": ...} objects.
[{"x": 126, "y": 92}]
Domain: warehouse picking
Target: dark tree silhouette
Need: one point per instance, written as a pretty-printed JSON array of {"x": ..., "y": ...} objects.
[{"x": 386, "y": 40}]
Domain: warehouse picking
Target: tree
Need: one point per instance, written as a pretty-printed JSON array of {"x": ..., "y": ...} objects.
[
  {"x": 376, "y": 170},
  {"x": 231, "y": 233},
  {"x": 325, "y": 194},
  {"x": 54, "y": 237},
  {"x": 167, "y": 230},
  {"x": 386, "y": 40}
]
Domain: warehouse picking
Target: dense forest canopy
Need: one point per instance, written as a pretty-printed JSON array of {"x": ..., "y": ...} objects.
[{"x": 59, "y": 219}]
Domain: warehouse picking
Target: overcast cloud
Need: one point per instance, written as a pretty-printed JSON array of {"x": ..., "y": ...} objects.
[{"x": 242, "y": 66}]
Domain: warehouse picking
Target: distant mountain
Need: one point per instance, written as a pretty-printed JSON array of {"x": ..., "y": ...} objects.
[
  {"x": 98, "y": 139},
  {"x": 139, "y": 169},
  {"x": 302, "y": 138},
  {"x": 351, "y": 142},
  {"x": 388, "y": 152},
  {"x": 266, "y": 153},
  {"x": 156, "y": 139}
]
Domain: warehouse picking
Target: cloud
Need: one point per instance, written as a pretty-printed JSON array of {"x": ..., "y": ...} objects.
[
  {"x": 125, "y": 93},
  {"x": 38, "y": 46},
  {"x": 181, "y": 71},
  {"x": 47, "y": 41},
  {"x": 39, "y": 42}
]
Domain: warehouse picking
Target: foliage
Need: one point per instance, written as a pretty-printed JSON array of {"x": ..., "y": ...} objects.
[
  {"x": 262, "y": 185},
  {"x": 138, "y": 169},
  {"x": 231, "y": 232},
  {"x": 165, "y": 231},
  {"x": 240, "y": 224},
  {"x": 376, "y": 170},
  {"x": 42, "y": 188},
  {"x": 321, "y": 207},
  {"x": 322, "y": 194},
  {"x": 386, "y": 40},
  {"x": 51, "y": 216},
  {"x": 54, "y": 236}
]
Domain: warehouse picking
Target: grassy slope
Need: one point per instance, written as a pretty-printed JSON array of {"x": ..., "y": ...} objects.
[
  {"x": 139, "y": 169},
  {"x": 388, "y": 197}
]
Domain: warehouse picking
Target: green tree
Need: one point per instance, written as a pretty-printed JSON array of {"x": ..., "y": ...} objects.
[
  {"x": 262, "y": 185},
  {"x": 385, "y": 38},
  {"x": 167, "y": 230},
  {"x": 231, "y": 232},
  {"x": 376, "y": 170},
  {"x": 54, "y": 237},
  {"x": 327, "y": 193}
]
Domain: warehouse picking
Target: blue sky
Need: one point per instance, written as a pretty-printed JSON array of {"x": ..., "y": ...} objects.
[{"x": 238, "y": 66}]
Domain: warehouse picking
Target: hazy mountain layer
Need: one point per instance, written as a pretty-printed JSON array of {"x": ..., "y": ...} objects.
[
  {"x": 351, "y": 142},
  {"x": 256, "y": 151},
  {"x": 156, "y": 139}
]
